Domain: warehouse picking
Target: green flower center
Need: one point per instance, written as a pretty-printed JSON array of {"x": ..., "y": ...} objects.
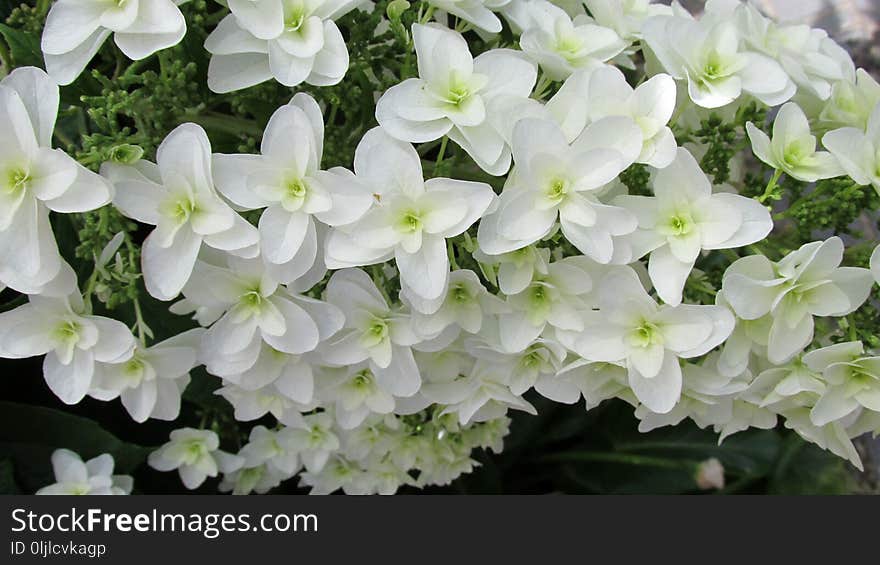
[
  {"x": 363, "y": 379},
  {"x": 17, "y": 181},
  {"x": 252, "y": 299},
  {"x": 680, "y": 224},
  {"x": 410, "y": 222},
  {"x": 179, "y": 209},
  {"x": 569, "y": 46},
  {"x": 646, "y": 335},
  {"x": 296, "y": 188},
  {"x": 460, "y": 294},
  {"x": 556, "y": 190},
  {"x": 67, "y": 332}
]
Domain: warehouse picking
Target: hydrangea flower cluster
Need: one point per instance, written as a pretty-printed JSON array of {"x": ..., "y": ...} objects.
[{"x": 371, "y": 325}]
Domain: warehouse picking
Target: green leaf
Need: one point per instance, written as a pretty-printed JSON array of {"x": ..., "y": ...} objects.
[
  {"x": 24, "y": 47},
  {"x": 29, "y": 435}
]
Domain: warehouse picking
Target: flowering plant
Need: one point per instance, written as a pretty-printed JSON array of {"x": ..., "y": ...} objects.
[{"x": 338, "y": 243}]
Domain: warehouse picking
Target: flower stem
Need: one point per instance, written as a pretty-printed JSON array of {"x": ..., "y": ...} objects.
[
  {"x": 771, "y": 187},
  {"x": 441, "y": 153}
]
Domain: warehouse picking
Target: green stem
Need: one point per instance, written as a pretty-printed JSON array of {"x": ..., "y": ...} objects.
[
  {"x": 771, "y": 186},
  {"x": 141, "y": 325},
  {"x": 450, "y": 251},
  {"x": 441, "y": 153},
  {"x": 426, "y": 17}
]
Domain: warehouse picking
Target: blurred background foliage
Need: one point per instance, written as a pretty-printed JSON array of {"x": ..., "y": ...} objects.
[{"x": 565, "y": 449}]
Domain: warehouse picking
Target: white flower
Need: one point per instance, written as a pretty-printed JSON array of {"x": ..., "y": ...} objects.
[
  {"x": 707, "y": 398},
  {"x": 314, "y": 440},
  {"x": 177, "y": 195},
  {"x": 561, "y": 45},
  {"x": 650, "y": 105},
  {"x": 834, "y": 436},
  {"x": 72, "y": 341},
  {"x": 412, "y": 218},
  {"x": 34, "y": 179},
  {"x": 782, "y": 388},
  {"x": 594, "y": 381},
  {"x": 812, "y": 59},
  {"x": 76, "y": 29},
  {"x": 464, "y": 306},
  {"x": 356, "y": 393},
  {"x": 292, "y": 41},
  {"x": 476, "y": 12},
  {"x": 256, "y": 309},
  {"x": 684, "y": 217},
  {"x": 245, "y": 480},
  {"x": 196, "y": 456},
  {"x": 260, "y": 368},
  {"x": 858, "y": 151},
  {"x": 852, "y": 101},
  {"x": 629, "y": 326},
  {"x": 517, "y": 268},
  {"x": 708, "y": 54},
  {"x": 273, "y": 398},
  {"x": 553, "y": 179},
  {"x": 852, "y": 377},
  {"x": 555, "y": 299},
  {"x": 805, "y": 283},
  {"x": 481, "y": 395},
  {"x": 95, "y": 476},
  {"x": 793, "y": 148},
  {"x": 152, "y": 381},
  {"x": 269, "y": 458},
  {"x": 372, "y": 331},
  {"x": 275, "y": 448},
  {"x": 455, "y": 95},
  {"x": 286, "y": 180},
  {"x": 541, "y": 359},
  {"x": 626, "y": 17}
]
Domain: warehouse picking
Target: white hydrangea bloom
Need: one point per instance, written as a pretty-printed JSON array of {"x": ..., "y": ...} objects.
[
  {"x": 552, "y": 300},
  {"x": 287, "y": 181},
  {"x": 93, "y": 477},
  {"x": 479, "y": 13},
  {"x": 710, "y": 56},
  {"x": 561, "y": 45},
  {"x": 810, "y": 58},
  {"x": 464, "y": 307},
  {"x": 793, "y": 148},
  {"x": 684, "y": 217},
  {"x": 196, "y": 456},
  {"x": 411, "y": 219},
  {"x": 852, "y": 377},
  {"x": 457, "y": 96},
  {"x": 650, "y": 105},
  {"x": 255, "y": 309},
  {"x": 372, "y": 331},
  {"x": 292, "y": 41},
  {"x": 151, "y": 382},
  {"x": 76, "y": 29},
  {"x": 626, "y": 17},
  {"x": 554, "y": 179},
  {"x": 858, "y": 151},
  {"x": 177, "y": 195},
  {"x": 629, "y": 326},
  {"x": 34, "y": 179},
  {"x": 72, "y": 340},
  {"x": 805, "y": 283}
]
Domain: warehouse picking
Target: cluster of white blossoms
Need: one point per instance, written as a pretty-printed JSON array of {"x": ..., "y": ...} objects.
[{"x": 334, "y": 300}]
